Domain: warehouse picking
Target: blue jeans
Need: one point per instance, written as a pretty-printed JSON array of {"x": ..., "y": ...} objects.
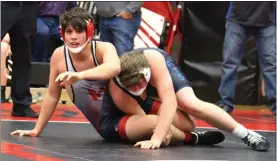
[
  {"x": 47, "y": 27},
  {"x": 120, "y": 32},
  {"x": 232, "y": 55}
]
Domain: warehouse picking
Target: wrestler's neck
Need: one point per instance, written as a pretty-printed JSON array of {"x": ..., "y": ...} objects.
[{"x": 84, "y": 54}]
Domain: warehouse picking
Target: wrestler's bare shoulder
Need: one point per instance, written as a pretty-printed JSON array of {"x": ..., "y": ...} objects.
[
  {"x": 58, "y": 53},
  {"x": 100, "y": 45}
]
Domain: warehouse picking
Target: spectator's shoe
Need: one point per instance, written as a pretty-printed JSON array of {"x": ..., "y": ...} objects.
[
  {"x": 225, "y": 108},
  {"x": 256, "y": 141},
  {"x": 21, "y": 111},
  {"x": 38, "y": 98},
  {"x": 208, "y": 137}
]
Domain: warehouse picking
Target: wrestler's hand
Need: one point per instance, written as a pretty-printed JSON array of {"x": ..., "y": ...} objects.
[
  {"x": 125, "y": 15},
  {"x": 25, "y": 133},
  {"x": 148, "y": 144},
  {"x": 167, "y": 139},
  {"x": 68, "y": 78}
]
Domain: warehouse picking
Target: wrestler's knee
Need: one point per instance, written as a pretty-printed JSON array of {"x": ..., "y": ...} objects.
[
  {"x": 137, "y": 127},
  {"x": 185, "y": 122},
  {"x": 192, "y": 106}
]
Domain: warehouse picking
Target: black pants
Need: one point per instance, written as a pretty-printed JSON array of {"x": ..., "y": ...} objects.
[{"x": 19, "y": 20}]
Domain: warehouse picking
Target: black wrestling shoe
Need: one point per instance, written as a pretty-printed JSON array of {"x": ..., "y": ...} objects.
[
  {"x": 19, "y": 111},
  {"x": 208, "y": 137},
  {"x": 256, "y": 141}
]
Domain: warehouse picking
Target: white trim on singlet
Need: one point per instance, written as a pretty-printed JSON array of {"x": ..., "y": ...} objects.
[
  {"x": 69, "y": 62},
  {"x": 94, "y": 52}
]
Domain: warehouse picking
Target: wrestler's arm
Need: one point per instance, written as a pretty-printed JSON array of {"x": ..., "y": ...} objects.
[
  {"x": 50, "y": 99},
  {"x": 52, "y": 95},
  {"x": 123, "y": 101},
  {"x": 161, "y": 79},
  {"x": 110, "y": 66}
]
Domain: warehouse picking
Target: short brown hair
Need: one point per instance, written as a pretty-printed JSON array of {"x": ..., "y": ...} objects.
[
  {"x": 75, "y": 17},
  {"x": 131, "y": 64}
]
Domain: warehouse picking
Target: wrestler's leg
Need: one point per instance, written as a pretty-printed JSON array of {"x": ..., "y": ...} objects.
[
  {"x": 140, "y": 127},
  {"x": 181, "y": 119}
]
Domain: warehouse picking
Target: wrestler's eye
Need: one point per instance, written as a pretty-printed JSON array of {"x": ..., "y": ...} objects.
[
  {"x": 79, "y": 31},
  {"x": 68, "y": 31}
]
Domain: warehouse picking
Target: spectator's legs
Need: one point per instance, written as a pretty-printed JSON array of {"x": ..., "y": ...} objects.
[
  {"x": 42, "y": 37},
  {"x": 20, "y": 35},
  {"x": 55, "y": 37},
  {"x": 232, "y": 55},
  {"x": 106, "y": 34},
  {"x": 266, "y": 45},
  {"x": 8, "y": 21},
  {"x": 124, "y": 32}
]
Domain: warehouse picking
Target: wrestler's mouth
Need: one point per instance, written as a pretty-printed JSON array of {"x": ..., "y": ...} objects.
[{"x": 74, "y": 44}]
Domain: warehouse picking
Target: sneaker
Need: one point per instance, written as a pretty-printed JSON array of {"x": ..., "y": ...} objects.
[
  {"x": 24, "y": 112},
  {"x": 208, "y": 137},
  {"x": 225, "y": 108},
  {"x": 37, "y": 98},
  {"x": 256, "y": 141}
]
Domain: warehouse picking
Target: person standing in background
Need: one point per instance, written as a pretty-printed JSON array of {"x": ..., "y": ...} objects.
[
  {"x": 243, "y": 19},
  {"x": 48, "y": 26},
  {"x": 119, "y": 23},
  {"x": 20, "y": 22}
]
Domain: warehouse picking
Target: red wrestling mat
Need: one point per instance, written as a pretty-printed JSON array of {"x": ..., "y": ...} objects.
[
  {"x": 256, "y": 119},
  {"x": 24, "y": 152}
]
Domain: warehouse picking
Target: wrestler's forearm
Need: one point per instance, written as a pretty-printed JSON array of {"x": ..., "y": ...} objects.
[
  {"x": 164, "y": 122},
  {"x": 47, "y": 109},
  {"x": 102, "y": 72}
]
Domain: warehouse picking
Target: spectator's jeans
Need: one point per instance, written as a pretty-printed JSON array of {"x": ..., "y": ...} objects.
[
  {"x": 232, "y": 55},
  {"x": 120, "y": 32},
  {"x": 47, "y": 27}
]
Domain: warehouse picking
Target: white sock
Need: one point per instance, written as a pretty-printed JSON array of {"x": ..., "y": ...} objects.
[{"x": 240, "y": 131}]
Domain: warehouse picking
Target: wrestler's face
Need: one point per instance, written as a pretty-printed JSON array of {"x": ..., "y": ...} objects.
[
  {"x": 139, "y": 86},
  {"x": 74, "y": 38}
]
